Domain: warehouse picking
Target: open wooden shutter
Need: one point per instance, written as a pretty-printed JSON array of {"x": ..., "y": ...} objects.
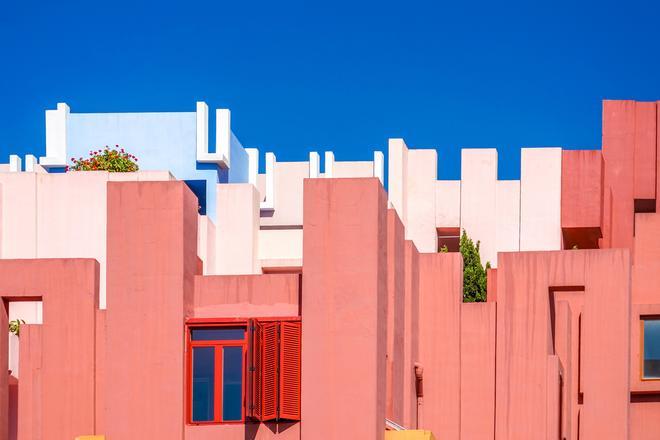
[
  {"x": 289, "y": 393},
  {"x": 251, "y": 369},
  {"x": 265, "y": 352}
]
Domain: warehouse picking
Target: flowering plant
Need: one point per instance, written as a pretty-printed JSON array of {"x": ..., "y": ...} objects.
[{"x": 108, "y": 159}]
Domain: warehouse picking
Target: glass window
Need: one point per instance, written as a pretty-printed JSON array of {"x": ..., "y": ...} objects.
[
  {"x": 218, "y": 334},
  {"x": 652, "y": 348},
  {"x": 217, "y": 369},
  {"x": 232, "y": 383},
  {"x": 203, "y": 366}
]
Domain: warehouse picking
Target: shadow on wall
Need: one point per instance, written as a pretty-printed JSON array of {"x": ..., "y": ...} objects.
[{"x": 251, "y": 429}]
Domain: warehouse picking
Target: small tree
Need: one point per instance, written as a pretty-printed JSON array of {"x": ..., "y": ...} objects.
[{"x": 474, "y": 274}]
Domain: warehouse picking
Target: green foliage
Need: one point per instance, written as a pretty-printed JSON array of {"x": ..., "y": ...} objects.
[
  {"x": 15, "y": 326},
  {"x": 106, "y": 160},
  {"x": 444, "y": 248},
  {"x": 474, "y": 274}
]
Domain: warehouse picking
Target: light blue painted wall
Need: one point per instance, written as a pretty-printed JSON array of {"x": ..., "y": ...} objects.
[{"x": 161, "y": 141}]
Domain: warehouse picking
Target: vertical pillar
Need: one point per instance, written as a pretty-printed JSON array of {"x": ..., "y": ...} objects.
[
  {"x": 440, "y": 300},
  {"x": 237, "y": 230},
  {"x": 540, "y": 199},
  {"x": 344, "y": 301},
  {"x": 420, "y": 221},
  {"x": 479, "y": 199},
  {"x": 152, "y": 258}
]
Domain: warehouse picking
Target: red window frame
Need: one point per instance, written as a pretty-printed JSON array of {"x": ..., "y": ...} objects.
[
  {"x": 248, "y": 345},
  {"x": 217, "y": 391}
]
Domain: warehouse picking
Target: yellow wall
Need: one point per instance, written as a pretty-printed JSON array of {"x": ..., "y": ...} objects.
[{"x": 409, "y": 435}]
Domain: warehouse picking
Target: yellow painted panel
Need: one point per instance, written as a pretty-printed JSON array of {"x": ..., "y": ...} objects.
[{"x": 409, "y": 435}]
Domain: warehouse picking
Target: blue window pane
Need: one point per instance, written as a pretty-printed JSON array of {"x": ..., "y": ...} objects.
[
  {"x": 218, "y": 334},
  {"x": 652, "y": 348},
  {"x": 232, "y": 383},
  {"x": 203, "y": 384}
]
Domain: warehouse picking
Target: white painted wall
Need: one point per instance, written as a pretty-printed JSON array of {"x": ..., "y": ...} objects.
[
  {"x": 508, "y": 217},
  {"x": 206, "y": 245},
  {"x": 57, "y": 126},
  {"x": 397, "y": 177},
  {"x": 59, "y": 215},
  {"x": 280, "y": 247},
  {"x": 237, "y": 229},
  {"x": 420, "y": 207},
  {"x": 479, "y": 199},
  {"x": 540, "y": 199},
  {"x": 448, "y": 203}
]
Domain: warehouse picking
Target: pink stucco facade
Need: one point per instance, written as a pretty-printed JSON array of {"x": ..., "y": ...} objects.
[{"x": 556, "y": 352}]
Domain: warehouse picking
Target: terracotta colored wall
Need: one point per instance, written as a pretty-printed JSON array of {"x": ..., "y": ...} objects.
[
  {"x": 344, "y": 309},
  {"x": 478, "y": 370},
  {"x": 523, "y": 346},
  {"x": 644, "y": 420},
  {"x": 395, "y": 316},
  {"x": 411, "y": 333},
  {"x": 30, "y": 394},
  {"x": 152, "y": 237},
  {"x": 644, "y": 158},
  {"x": 440, "y": 299},
  {"x": 13, "y": 407},
  {"x": 249, "y": 431},
  {"x": 618, "y": 142},
  {"x": 238, "y": 296},
  {"x": 69, "y": 290},
  {"x": 646, "y": 270},
  {"x": 581, "y": 198}
]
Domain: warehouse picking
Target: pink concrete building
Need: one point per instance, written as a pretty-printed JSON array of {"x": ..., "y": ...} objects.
[{"x": 315, "y": 305}]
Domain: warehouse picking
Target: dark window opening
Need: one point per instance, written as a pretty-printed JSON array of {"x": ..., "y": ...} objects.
[{"x": 449, "y": 238}]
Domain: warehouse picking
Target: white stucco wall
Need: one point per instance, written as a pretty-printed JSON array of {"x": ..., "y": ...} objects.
[
  {"x": 288, "y": 189},
  {"x": 397, "y": 177},
  {"x": 540, "y": 199},
  {"x": 353, "y": 169},
  {"x": 280, "y": 247},
  {"x": 479, "y": 199},
  {"x": 421, "y": 182},
  {"x": 237, "y": 229},
  {"x": 448, "y": 203},
  {"x": 59, "y": 215},
  {"x": 508, "y": 217},
  {"x": 206, "y": 243}
]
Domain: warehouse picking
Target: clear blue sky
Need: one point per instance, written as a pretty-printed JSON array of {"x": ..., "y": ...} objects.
[{"x": 344, "y": 76}]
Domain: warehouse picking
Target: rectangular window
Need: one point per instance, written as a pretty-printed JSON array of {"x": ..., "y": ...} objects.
[
  {"x": 203, "y": 383},
  {"x": 251, "y": 369},
  {"x": 651, "y": 348},
  {"x": 217, "y": 366},
  {"x": 449, "y": 239}
]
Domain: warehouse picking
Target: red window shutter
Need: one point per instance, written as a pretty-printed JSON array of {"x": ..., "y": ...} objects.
[
  {"x": 290, "y": 348},
  {"x": 266, "y": 374},
  {"x": 251, "y": 369}
]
